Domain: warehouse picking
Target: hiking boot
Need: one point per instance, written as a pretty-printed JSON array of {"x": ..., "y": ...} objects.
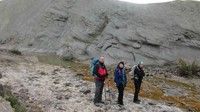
[
  {"x": 97, "y": 104},
  {"x": 102, "y": 102},
  {"x": 137, "y": 101},
  {"x": 121, "y": 108},
  {"x": 120, "y": 103}
]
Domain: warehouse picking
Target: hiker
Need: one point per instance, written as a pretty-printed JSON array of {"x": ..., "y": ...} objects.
[
  {"x": 138, "y": 74},
  {"x": 120, "y": 80},
  {"x": 100, "y": 73}
]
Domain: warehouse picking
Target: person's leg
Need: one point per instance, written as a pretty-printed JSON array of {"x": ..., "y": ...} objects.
[
  {"x": 120, "y": 95},
  {"x": 136, "y": 90},
  {"x": 140, "y": 82},
  {"x": 97, "y": 91},
  {"x": 139, "y": 85},
  {"x": 101, "y": 90},
  {"x": 118, "y": 101}
]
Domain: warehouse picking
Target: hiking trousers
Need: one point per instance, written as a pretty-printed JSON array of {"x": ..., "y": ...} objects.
[
  {"x": 99, "y": 84},
  {"x": 137, "y": 83},
  {"x": 121, "y": 94}
]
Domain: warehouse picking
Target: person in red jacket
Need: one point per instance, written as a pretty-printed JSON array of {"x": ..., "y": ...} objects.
[{"x": 101, "y": 73}]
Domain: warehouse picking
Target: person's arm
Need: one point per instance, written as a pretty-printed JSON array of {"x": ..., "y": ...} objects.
[
  {"x": 96, "y": 70},
  {"x": 106, "y": 72},
  {"x": 125, "y": 77},
  {"x": 143, "y": 73},
  {"x": 132, "y": 72},
  {"x": 136, "y": 74},
  {"x": 117, "y": 77}
]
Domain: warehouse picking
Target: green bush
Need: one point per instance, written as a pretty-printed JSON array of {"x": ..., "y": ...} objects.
[
  {"x": 68, "y": 57},
  {"x": 14, "y": 102},
  {"x": 187, "y": 69}
]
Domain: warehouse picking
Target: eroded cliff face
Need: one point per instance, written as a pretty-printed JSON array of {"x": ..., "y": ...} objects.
[{"x": 154, "y": 33}]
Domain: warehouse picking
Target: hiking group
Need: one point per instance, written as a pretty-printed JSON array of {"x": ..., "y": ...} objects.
[{"x": 100, "y": 73}]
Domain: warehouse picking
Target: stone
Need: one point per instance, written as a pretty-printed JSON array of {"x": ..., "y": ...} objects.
[
  {"x": 43, "y": 73},
  {"x": 85, "y": 91},
  {"x": 1, "y": 75},
  {"x": 23, "y": 94},
  {"x": 151, "y": 103},
  {"x": 57, "y": 81},
  {"x": 67, "y": 84},
  {"x": 198, "y": 74},
  {"x": 59, "y": 97},
  {"x": 56, "y": 70},
  {"x": 1, "y": 90},
  {"x": 67, "y": 97},
  {"x": 79, "y": 75}
]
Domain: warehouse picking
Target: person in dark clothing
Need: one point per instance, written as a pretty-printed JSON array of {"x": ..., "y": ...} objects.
[
  {"x": 120, "y": 80},
  {"x": 138, "y": 74},
  {"x": 101, "y": 73}
]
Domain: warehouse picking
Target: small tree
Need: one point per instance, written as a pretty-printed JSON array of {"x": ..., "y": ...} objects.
[{"x": 187, "y": 69}]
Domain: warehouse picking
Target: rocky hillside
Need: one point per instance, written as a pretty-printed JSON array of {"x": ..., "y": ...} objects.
[{"x": 155, "y": 33}]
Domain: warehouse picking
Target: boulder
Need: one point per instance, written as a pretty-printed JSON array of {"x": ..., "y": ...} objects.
[
  {"x": 1, "y": 75},
  {"x": 1, "y": 90}
]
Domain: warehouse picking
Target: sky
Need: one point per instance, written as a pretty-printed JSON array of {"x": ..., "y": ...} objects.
[{"x": 148, "y": 1}]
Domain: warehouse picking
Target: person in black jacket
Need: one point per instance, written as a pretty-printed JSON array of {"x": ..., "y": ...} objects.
[
  {"x": 138, "y": 74},
  {"x": 101, "y": 73}
]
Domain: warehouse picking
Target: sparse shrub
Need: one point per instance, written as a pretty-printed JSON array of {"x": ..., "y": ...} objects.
[
  {"x": 187, "y": 69},
  {"x": 16, "y": 52},
  {"x": 30, "y": 44},
  {"x": 14, "y": 102},
  {"x": 68, "y": 57}
]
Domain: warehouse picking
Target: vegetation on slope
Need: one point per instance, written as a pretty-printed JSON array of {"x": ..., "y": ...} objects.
[{"x": 150, "y": 87}]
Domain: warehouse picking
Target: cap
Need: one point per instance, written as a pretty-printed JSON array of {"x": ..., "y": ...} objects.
[{"x": 141, "y": 63}]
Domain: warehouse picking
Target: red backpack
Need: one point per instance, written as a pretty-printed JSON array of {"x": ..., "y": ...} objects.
[{"x": 102, "y": 71}]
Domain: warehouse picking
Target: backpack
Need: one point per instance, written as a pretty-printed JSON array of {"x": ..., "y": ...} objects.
[
  {"x": 93, "y": 62},
  {"x": 132, "y": 71},
  {"x": 133, "y": 68}
]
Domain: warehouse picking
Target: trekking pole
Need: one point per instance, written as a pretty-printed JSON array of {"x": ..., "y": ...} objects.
[
  {"x": 109, "y": 91},
  {"x": 105, "y": 91}
]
